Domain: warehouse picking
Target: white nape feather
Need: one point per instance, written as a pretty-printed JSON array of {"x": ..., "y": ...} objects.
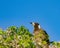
[{"x": 39, "y": 26}]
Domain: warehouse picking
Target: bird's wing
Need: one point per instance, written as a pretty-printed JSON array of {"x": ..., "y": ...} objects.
[
  {"x": 45, "y": 36},
  {"x": 44, "y": 33}
]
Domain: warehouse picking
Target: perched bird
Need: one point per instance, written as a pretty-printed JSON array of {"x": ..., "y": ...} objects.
[{"x": 41, "y": 38}]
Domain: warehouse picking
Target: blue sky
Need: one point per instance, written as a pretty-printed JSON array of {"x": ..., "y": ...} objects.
[{"x": 22, "y": 12}]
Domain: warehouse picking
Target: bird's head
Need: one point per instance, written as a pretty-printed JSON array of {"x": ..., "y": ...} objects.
[{"x": 36, "y": 25}]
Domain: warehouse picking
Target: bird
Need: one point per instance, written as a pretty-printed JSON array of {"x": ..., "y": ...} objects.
[{"x": 41, "y": 38}]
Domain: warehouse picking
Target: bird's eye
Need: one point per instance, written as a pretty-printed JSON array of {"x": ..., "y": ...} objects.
[{"x": 37, "y": 24}]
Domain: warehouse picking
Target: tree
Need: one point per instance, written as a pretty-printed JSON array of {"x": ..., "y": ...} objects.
[
  {"x": 19, "y": 37},
  {"x": 15, "y": 37}
]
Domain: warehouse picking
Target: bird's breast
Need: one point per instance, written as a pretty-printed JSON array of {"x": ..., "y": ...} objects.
[{"x": 36, "y": 32}]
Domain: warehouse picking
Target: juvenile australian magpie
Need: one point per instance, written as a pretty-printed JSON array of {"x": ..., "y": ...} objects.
[{"x": 41, "y": 38}]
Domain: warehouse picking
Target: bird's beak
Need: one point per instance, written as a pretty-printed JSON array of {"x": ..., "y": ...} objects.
[{"x": 32, "y": 23}]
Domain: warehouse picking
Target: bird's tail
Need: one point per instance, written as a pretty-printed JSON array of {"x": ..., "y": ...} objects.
[{"x": 51, "y": 42}]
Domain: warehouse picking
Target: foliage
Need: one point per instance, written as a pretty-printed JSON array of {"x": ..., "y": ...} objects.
[
  {"x": 18, "y": 37},
  {"x": 55, "y": 44},
  {"x": 15, "y": 37}
]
